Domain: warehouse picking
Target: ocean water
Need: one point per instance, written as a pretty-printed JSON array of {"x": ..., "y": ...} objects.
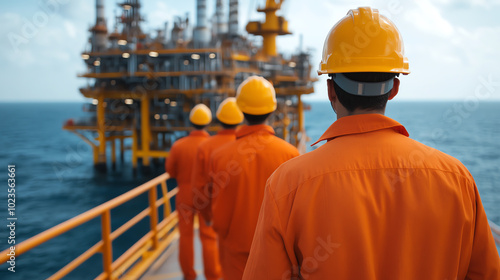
[{"x": 55, "y": 179}]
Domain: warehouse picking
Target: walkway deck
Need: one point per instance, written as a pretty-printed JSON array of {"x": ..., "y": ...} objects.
[{"x": 168, "y": 267}]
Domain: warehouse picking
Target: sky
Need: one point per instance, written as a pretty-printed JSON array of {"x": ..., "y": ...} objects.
[{"x": 452, "y": 45}]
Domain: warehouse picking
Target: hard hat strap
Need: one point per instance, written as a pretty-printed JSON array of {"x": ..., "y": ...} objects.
[{"x": 362, "y": 88}]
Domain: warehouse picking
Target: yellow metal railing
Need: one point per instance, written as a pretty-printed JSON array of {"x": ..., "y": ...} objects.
[{"x": 138, "y": 258}]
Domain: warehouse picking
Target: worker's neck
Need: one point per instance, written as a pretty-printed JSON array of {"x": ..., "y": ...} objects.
[
  {"x": 254, "y": 123},
  {"x": 343, "y": 112}
]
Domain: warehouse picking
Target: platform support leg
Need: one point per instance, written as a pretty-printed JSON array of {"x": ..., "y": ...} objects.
[
  {"x": 122, "y": 149},
  {"x": 145, "y": 132},
  {"x": 101, "y": 129},
  {"x": 134, "y": 151},
  {"x": 113, "y": 153}
]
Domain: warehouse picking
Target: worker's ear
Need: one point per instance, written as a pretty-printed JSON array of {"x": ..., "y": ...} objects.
[
  {"x": 331, "y": 90},
  {"x": 395, "y": 89}
]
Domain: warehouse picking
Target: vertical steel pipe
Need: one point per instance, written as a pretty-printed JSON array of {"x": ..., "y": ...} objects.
[{"x": 233, "y": 17}]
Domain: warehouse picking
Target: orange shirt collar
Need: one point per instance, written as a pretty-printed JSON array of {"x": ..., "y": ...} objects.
[
  {"x": 360, "y": 124},
  {"x": 249, "y": 129},
  {"x": 199, "y": 133},
  {"x": 226, "y": 131}
]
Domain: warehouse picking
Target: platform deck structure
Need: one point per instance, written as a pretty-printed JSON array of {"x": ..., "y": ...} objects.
[{"x": 142, "y": 86}]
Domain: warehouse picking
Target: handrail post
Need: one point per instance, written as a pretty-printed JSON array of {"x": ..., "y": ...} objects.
[
  {"x": 153, "y": 216},
  {"x": 112, "y": 269},
  {"x": 167, "y": 208},
  {"x": 134, "y": 149},
  {"x": 107, "y": 251}
]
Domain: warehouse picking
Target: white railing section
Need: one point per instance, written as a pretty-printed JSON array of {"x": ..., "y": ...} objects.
[{"x": 495, "y": 229}]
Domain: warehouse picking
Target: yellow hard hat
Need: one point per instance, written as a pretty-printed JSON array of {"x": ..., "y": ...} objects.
[
  {"x": 364, "y": 41},
  {"x": 229, "y": 113},
  {"x": 200, "y": 115},
  {"x": 256, "y": 96}
]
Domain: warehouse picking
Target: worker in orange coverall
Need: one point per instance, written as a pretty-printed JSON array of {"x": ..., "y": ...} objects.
[
  {"x": 371, "y": 203},
  {"x": 230, "y": 116},
  {"x": 239, "y": 171},
  {"x": 179, "y": 165}
]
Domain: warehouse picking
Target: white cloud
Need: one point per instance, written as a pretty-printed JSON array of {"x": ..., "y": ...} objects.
[
  {"x": 70, "y": 29},
  {"x": 427, "y": 18},
  {"x": 30, "y": 44},
  {"x": 447, "y": 54},
  {"x": 479, "y": 47},
  {"x": 483, "y": 3},
  {"x": 44, "y": 60}
]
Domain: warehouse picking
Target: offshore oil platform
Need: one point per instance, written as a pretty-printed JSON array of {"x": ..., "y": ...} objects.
[{"x": 143, "y": 86}]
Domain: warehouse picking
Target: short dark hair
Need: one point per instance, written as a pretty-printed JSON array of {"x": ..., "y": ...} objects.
[
  {"x": 228, "y": 126},
  {"x": 256, "y": 119},
  {"x": 199, "y": 127},
  {"x": 352, "y": 102}
]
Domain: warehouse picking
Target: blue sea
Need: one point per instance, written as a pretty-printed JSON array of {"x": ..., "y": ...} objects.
[{"x": 55, "y": 178}]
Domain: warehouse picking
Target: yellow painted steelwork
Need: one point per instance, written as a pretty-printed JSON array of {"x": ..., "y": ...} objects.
[
  {"x": 96, "y": 147},
  {"x": 153, "y": 154},
  {"x": 137, "y": 259},
  {"x": 134, "y": 149},
  {"x": 145, "y": 130},
  {"x": 101, "y": 129},
  {"x": 301, "y": 137},
  {"x": 92, "y": 127},
  {"x": 156, "y": 74},
  {"x": 91, "y": 93},
  {"x": 113, "y": 152},
  {"x": 158, "y": 80},
  {"x": 300, "y": 109},
  {"x": 273, "y": 26},
  {"x": 107, "y": 247},
  {"x": 160, "y": 51},
  {"x": 122, "y": 148},
  {"x": 240, "y": 57}
]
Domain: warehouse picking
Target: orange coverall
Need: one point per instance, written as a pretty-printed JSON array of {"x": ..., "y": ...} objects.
[
  {"x": 179, "y": 165},
  {"x": 202, "y": 199},
  {"x": 372, "y": 203},
  {"x": 239, "y": 171}
]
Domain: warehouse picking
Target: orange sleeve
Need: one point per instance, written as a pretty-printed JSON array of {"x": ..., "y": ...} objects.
[
  {"x": 171, "y": 165},
  {"x": 199, "y": 181},
  {"x": 268, "y": 255},
  {"x": 485, "y": 261}
]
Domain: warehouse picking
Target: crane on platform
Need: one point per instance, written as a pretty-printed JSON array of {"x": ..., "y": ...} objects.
[{"x": 272, "y": 27}]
